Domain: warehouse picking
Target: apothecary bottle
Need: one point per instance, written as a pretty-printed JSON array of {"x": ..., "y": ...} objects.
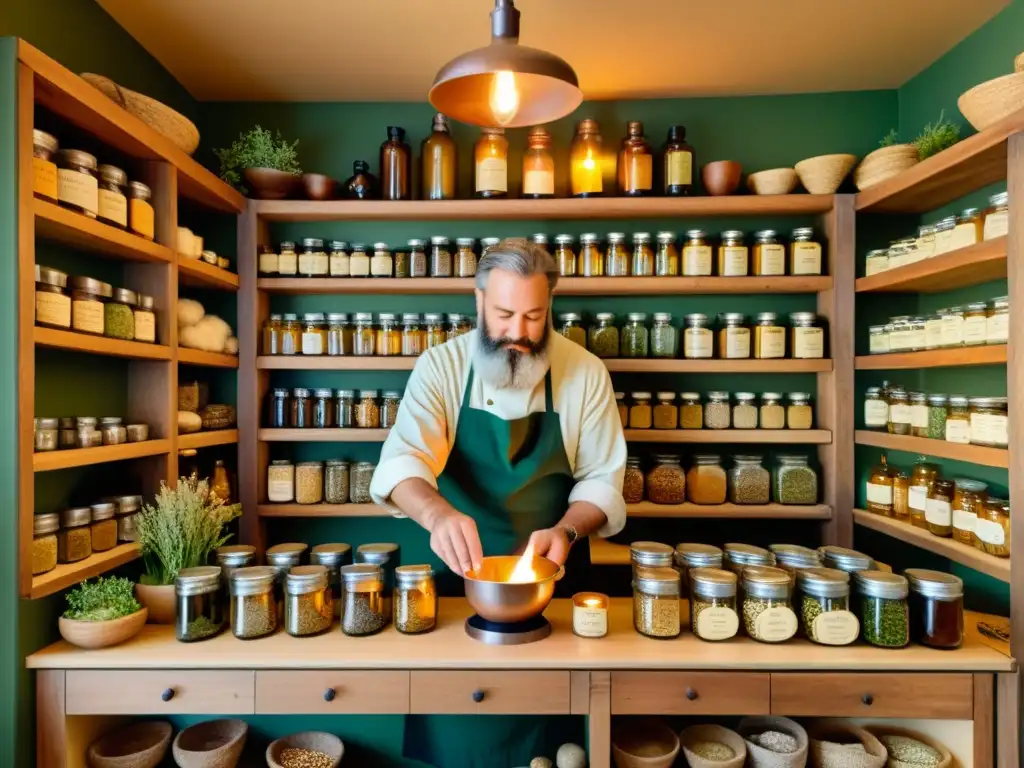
[
  {"x": 997, "y": 329},
  {"x": 876, "y": 409},
  {"x": 643, "y": 255},
  {"x": 415, "y": 603},
  {"x": 44, "y": 170},
  {"x": 769, "y": 337},
  {"x": 824, "y": 606},
  {"x": 879, "y": 489},
  {"x": 664, "y": 336},
  {"x": 87, "y": 299},
  {"x": 339, "y": 335},
  {"x": 733, "y": 254},
  {"x": 666, "y": 262},
  {"x": 490, "y": 162},
  {"x": 391, "y": 400},
  {"x": 77, "y": 181},
  {"x": 112, "y": 204},
  {"x": 591, "y": 260},
  {"x": 585, "y": 173},
  {"x": 698, "y": 340},
  {"x": 804, "y": 252},
  {"x": 656, "y": 602},
  {"x": 200, "y": 609},
  {"x": 365, "y": 611},
  {"x": 633, "y": 338},
  {"x": 361, "y": 185},
  {"x": 881, "y": 601},
  {"x": 696, "y": 254},
  {"x": 435, "y": 331},
  {"x": 603, "y": 336},
  {"x": 439, "y": 158},
  {"x": 922, "y": 478},
  {"x": 418, "y": 264},
  {"x": 769, "y": 254},
  {"x": 938, "y": 510},
  {"x": 992, "y": 528},
  {"x": 538, "y": 165},
  {"x": 807, "y": 336},
  {"x": 767, "y": 611},
  {"x": 465, "y": 258},
  {"x": 636, "y": 162},
  {"x": 345, "y": 407},
  {"x": 440, "y": 256},
  {"x": 936, "y": 608},
  {"x": 565, "y": 256},
  {"x": 313, "y": 261},
  {"x": 733, "y": 336},
  {"x": 252, "y": 610},
  {"x": 975, "y": 324},
  {"x": 795, "y": 481},
  {"x": 395, "y": 178},
  {"x": 382, "y": 263},
  {"x": 617, "y": 257},
  {"x": 713, "y": 614},
  {"x": 53, "y": 304},
  {"x": 678, "y": 163},
  {"x": 989, "y": 421}
]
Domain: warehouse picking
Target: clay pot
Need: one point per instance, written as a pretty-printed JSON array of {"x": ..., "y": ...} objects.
[
  {"x": 319, "y": 186},
  {"x": 644, "y": 744},
  {"x": 722, "y": 177},
  {"x": 138, "y": 745},
  {"x": 210, "y": 744},
  {"x": 270, "y": 184},
  {"x": 160, "y": 601},
  {"x": 318, "y": 741},
  {"x": 101, "y": 634}
]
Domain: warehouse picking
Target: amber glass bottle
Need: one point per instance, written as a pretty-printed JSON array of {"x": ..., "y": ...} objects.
[
  {"x": 538, "y": 165},
  {"x": 636, "y": 162},
  {"x": 394, "y": 166},
  {"x": 361, "y": 185},
  {"x": 438, "y": 157},
  {"x": 585, "y": 160},
  {"x": 678, "y": 164},
  {"x": 490, "y": 161}
]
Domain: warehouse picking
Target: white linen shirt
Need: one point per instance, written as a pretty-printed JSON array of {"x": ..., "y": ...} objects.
[{"x": 424, "y": 433}]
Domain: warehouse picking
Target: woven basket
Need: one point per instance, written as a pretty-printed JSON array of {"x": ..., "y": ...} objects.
[
  {"x": 945, "y": 761},
  {"x": 696, "y": 733},
  {"x": 991, "y": 101},
  {"x": 839, "y": 731},
  {"x": 762, "y": 757},
  {"x": 775, "y": 181},
  {"x": 172, "y": 125},
  {"x": 823, "y": 174},
  {"x": 883, "y": 164}
]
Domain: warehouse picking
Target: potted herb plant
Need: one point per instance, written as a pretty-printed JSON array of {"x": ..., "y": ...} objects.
[
  {"x": 180, "y": 530},
  {"x": 101, "y": 613},
  {"x": 268, "y": 164}
]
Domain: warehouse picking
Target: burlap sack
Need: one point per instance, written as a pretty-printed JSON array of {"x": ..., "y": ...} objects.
[
  {"x": 695, "y": 733},
  {"x": 946, "y": 761},
  {"x": 762, "y": 757},
  {"x": 825, "y": 735}
]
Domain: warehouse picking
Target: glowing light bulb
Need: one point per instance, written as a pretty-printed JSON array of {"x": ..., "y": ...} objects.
[{"x": 504, "y": 99}]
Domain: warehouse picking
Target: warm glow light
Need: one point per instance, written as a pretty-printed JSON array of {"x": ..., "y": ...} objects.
[
  {"x": 504, "y": 100},
  {"x": 588, "y": 161},
  {"x": 523, "y": 573},
  {"x": 592, "y": 602}
]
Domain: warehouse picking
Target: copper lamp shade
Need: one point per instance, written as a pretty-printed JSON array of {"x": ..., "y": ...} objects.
[{"x": 547, "y": 86}]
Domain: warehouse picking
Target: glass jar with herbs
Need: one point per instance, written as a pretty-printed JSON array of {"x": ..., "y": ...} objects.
[
  {"x": 713, "y": 614},
  {"x": 617, "y": 258},
  {"x": 641, "y": 414},
  {"x": 698, "y": 340},
  {"x": 643, "y": 255},
  {"x": 825, "y": 615},
  {"x": 418, "y": 265},
  {"x": 333, "y": 557},
  {"x": 936, "y": 608},
  {"x": 748, "y": 481},
  {"x": 361, "y": 475},
  {"x": 796, "y": 482},
  {"x": 633, "y": 481},
  {"x": 799, "y": 413},
  {"x": 922, "y": 478},
  {"x": 666, "y": 262},
  {"x": 46, "y": 434},
  {"x": 717, "y": 413},
  {"x": 103, "y": 529},
  {"x": 339, "y": 335},
  {"x": 733, "y": 254},
  {"x": 388, "y": 557},
  {"x": 252, "y": 610},
  {"x": 300, "y": 409},
  {"x": 287, "y": 259},
  {"x": 918, "y": 414},
  {"x": 415, "y": 604},
  {"x": 744, "y": 411},
  {"x": 665, "y": 413},
  {"x": 656, "y": 602},
  {"x": 664, "y": 337},
  {"x": 603, "y": 336},
  {"x": 336, "y": 481},
  {"x": 88, "y": 297},
  {"x": 338, "y": 261},
  {"x": 364, "y": 337},
  {"x": 975, "y": 324},
  {"x": 634, "y": 336},
  {"x": 74, "y": 540},
  {"x": 989, "y": 421},
  {"x": 345, "y": 408},
  {"x": 992, "y": 528},
  {"x": 591, "y": 260},
  {"x": 313, "y": 261},
  {"x": 899, "y": 412},
  {"x": 77, "y": 182},
  {"x": 282, "y": 558},
  {"x": 882, "y": 608},
  {"x": 435, "y": 330},
  {"x": 706, "y": 481},
  {"x": 733, "y": 336},
  {"x": 666, "y": 482},
  {"x": 44, "y": 542},
  {"x": 997, "y": 328},
  {"x": 968, "y": 498},
  {"x": 200, "y": 609},
  {"x": 691, "y": 412},
  {"x": 231, "y": 558},
  {"x": 465, "y": 258},
  {"x": 367, "y": 410},
  {"x": 570, "y": 326},
  {"x": 938, "y": 510},
  {"x": 323, "y": 408},
  {"x": 440, "y": 256},
  {"x": 565, "y": 256},
  {"x": 309, "y": 482},
  {"x": 958, "y": 420},
  {"x": 692, "y": 555},
  {"x": 768, "y": 616},
  {"x": 772, "y": 414},
  {"x": 391, "y": 400},
  {"x": 308, "y": 603}
]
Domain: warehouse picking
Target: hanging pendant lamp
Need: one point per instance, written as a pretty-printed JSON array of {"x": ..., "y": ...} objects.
[{"x": 505, "y": 84}]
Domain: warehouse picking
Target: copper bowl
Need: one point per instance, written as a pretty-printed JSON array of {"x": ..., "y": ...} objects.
[
  {"x": 493, "y": 598},
  {"x": 722, "y": 177},
  {"x": 319, "y": 186},
  {"x": 271, "y": 184}
]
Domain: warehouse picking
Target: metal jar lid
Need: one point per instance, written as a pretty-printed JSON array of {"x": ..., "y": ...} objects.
[
  {"x": 85, "y": 422},
  {"x": 970, "y": 486},
  {"x": 572, "y": 317},
  {"x": 695, "y": 234},
  {"x": 361, "y": 573},
  {"x": 796, "y": 556},
  {"x": 465, "y": 242},
  {"x": 51, "y": 276},
  {"x": 367, "y": 394},
  {"x": 439, "y": 240},
  {"x": 102, "y": 511},
  {"x": 142, "y": 301},
  {"x": 46, "y": 140},
  {"x": 364, "y": 317},
  {"x": 732, "y": 319},
  {"x": 91, "y": 285},
  {"x": 236, "y": 555},
  {"x": 75, "y": 517},
  {"x": 696, "y": 320},
  {"x": 330, "y": 555},
  {"x": 934, "y": 584},
  {"x": 44, "y": 524},
  {"x": 748, "y": 554},
  {"x": 766, "y": 582},
  {"x": 657, "y": 581},
  {"x": 745, "y": 397},
  {"x": 765, "y": 234},
  {"x": 411, "y": 575},
  {"x": 665, "y": 397},
  {"x": 139, "y": 191},
  {"x": 312, "y": 242},
  {"x": 113, "y": 174},
  {"x": 300, "y": 392},
  {"x": 376, "y": 554},
  {"x": 337, "y": 317},
  {"x": 253, "y": 580},
  {"x": 803, "y": 233},
  {"x": 636, "y": 317},
  {"x": 804, "y": 319},
  {"x": 889, "y": 586},
  {"x": 823, "y": 582},
  {"x": 46, "y": 422},
  {"x": 641, "y": 237},
  {"x": 304, "y": 579},
  {"x": 323, "y": 393},
  {"x": 843, "y": 559},
  {"x": 651, "y": 554},
  {"x": 733, "y": 234},
  {"x": 124, "y": 296},
  {"x": 718, "y": 397},
  {"x": 345, "y": 393},
  {"x": 767, "y": 318},
  {"x": 285, "y": 554},
  {"x": 197, "y": 581},
  {"x": 313, "y": 317},
  {"x": 78, "y": 157},
  {"x": 391, "y": 394},
  {"x": 713, "y": 582}
]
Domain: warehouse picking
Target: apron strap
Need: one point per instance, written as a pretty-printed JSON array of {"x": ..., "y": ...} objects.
[
  {"x": 469, "y": 387},
  {"x": 548, "y": 397}
]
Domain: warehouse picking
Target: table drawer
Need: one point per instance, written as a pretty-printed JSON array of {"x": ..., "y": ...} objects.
[
  {"x": 170, "y": 692},
  {"x": 490, "y": 693},
  {"x": 690, "y": 693},
  {"x": 865, "y": 694},
  {"x": 332, "y": 692}
]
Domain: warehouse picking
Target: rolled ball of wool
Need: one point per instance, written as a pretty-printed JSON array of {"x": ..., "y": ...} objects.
[{"x": 190, "y": 312}]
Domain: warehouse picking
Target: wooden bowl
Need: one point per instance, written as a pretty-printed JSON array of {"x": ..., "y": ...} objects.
[
  {"x": 138, "y": 745},
  {"x": 319, "y": 186},
  {"x": 212, "y": 744},
  {"x": 102, "y": 634},
  {"x": 721, "y": 177},
  {"x": 270, "y": 184},
  {"x": 880, "y": 730},
  {"x": 644, "y": 744},
  {"x": 696, "y": 733},
  {"x": 883, "y": 164},
  {"x": 319, "y": 741},
  {"x": 991, "y": 101},
  {"x": 160, "y": 600},
  {"x": 823, "y": 174},
  {"x": 775, "y": 181}
]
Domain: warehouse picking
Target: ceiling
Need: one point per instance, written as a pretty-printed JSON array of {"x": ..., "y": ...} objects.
[{"x": 390, "y": 50}]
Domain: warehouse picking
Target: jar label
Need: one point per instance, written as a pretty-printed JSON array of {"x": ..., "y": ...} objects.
[
  {"x": 679, "y": 168},
  {"x": 915, "y": 338},
  {"x": 773, "y": 259},
  {"x": 773, "y": 342},
  {"x": 880, "y": 494},
  {"x": 339, "y": 265},
  {"x": 281, "y": 490},
  {"x": 964, "y": 521},
  {"x": 112, "y": 206},
  {"x": 359, "y": 266},
  {"x": 492, "y": 174},
  {"x": 963, "y": 235},
  {"x": 268, "y": 263},
  {"x": 696, "y": 260},
  {"x": 806, "y": 258},
  {"x": 145, "y": 325},
  {"x": 288, "y": 263},
  {"x": 539, "y": 182},
  {"x": 141, "y": 215},
  {"x": 697, "y": 342},
  {"x": 997, "y": 329},
  {"x": 589, "y": 622},
  {"x": 990, "y": 429},
  {"x": 990, "y": 532},
  {"x": 876, "y": 413},
  {"x": 53, "y": 309},
  {"x": 958, "y": 431},
  {"x": 808, "y": 342},
  {"x": 952, "y": 330},
  {"x": 380, "y": 266},
  {"x": 975, "y": 329},
  {"x": 87, "y": 315},
  {"x": 44, "y": 178},
  {"x": 943, "y": 240},
  {"x": 918, "y": 497},
  {"x": 638, "y": 173},
  {"x": 717, "y": 623},
  {"x": 737, "y": 342},
  {"x": 835, "y": 628},
  {"x": 879, "y": 343},
  {"x": 997, "y": 224},
  {"x": 78, "y": 189},
  {"x": 734, "y": 260},
  {"x": 899, "y": 414},
  {"x": 899, "y": 340},
  {"x": 919, "y": 416},
  {"x": 312, "y": 343},
  {"x": 773, "y": 625},
  {"x": 875, "y": 265},
  {"x": 932, "y": 334},
  {"x": 313, "y": 263},
  {"x": 938, "y": 512}
]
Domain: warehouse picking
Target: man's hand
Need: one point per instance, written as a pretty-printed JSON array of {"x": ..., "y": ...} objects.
[
  {"x": 454, "y": 538},
  {"x": 552, "y": 543}
]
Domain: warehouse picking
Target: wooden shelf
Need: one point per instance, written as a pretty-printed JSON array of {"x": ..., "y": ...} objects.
[
  {"x": 321, "y": 510},
  {"x": 79, "y": 231},
  {"x": 64, "y": 93},
  {"x": 963, "y": 267},
  {"x": 83, "y": 457},
  {"x": 988, "y": 354},
  {"x": 996, "y": 567},
  {"x": 604, "y": 552},
  {"x": 967, "y": 166},
  {"x": 973, "y": 454},
  {"x": 546, "y": 210},
  {"x": 726, "y": 436},
  {"x": 208, "y": 359},
  {"x": 64, "y": 576},
  {"x": 731, "y": 511},
  {"x": 198, "y": 274},
  {"x": 98, "y": 345},
  {"x": 333, "y": 435},
  {"x": 331, "y": 363},
  {"x": 208, "y": 439},
  {"x": 567, "y": 286}
]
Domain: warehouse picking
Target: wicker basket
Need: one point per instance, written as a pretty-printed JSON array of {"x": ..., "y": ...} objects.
[
  {"x": 823, "y": 174},
  {"x": 878, "y": 731},
  {"x": 883, "y": 164},
  {"x": 697, "y": 733},
  {"x": 218, "y": 416},
  {"x": 991, "y": 101},
  {"x": 762, "y": 757},
  {"x": 775, "y": 181},
  {"x": 825, "y": 733},
  {"x": 175, "y": 127}
]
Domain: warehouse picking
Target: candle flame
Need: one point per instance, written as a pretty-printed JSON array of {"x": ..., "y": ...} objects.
[
  {"x": 524, "y": 573},
  {"x": 592, "y": 602}
]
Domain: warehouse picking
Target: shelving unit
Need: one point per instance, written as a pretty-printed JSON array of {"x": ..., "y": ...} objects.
[
  {"x": 333, "y": 435},
  {"x": 731, "y": 436},
  {"x": 207, "y": 359},
  {"x": 974, "y": 454},
  {"x": 321, "y": 510},
  {"x": 199, "y": 274},
  {"x": 82, "y": 233},
  {"x": 64, "y": 576},
  {"x": 973, "y": 265},
  {"x": 208, "y": 439},
  {"x": 99, "y": 345},
  {"x": 84, "y": 457},
  {"x": 989, "y": 354},
  {"x": 730, "y": 511}
]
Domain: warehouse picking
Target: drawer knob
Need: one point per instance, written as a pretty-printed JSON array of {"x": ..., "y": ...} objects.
[
  {"x": 691, "y": 694},
  {"x": 329, "y": 694},
  {"x": 868, "y": 699},
  {"x": 478, "y": 696},
  {"x": 167, "y": 694}
]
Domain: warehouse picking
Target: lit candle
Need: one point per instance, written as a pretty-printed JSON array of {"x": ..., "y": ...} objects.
[
  {"x": 585, "y": 171},
  {"x": 590, "y": 614}
]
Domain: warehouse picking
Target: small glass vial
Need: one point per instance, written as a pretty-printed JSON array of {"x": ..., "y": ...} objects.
[
  {"x": 698, "y": 340},
  {"x": 656, "y": 602},
  {"x": 666, "y": 262},
  {"x": 697, "y": 257},
  {"x": 313, "y": 261},
  {"x": 364, "y": 337},
  {"x": 359, "y": 261},
  {"x": 314, "y": 333},
  {"x": 365, "y": 611},
  {"x": 44, "y": 170},
  {"x": 465, "y": 258},
  {"x": 769, "y": 254},
  {"x": 733, "y": 336},
  {"x": 664, "y": 337},
  {"x": 976, "y": 324},
  {"x": 112, "y": 204},
  {"x": 287, "y": 259},
  {"x": 733, "y": 254},
  {"x": 389, "y": 408},
  {"x": 339, "y": 335},
  {"x": 308, "y": 601},
  {"x": 617, "y": 259},
  {"x": 278, "y": 408},
  {"x": 643, "y": 255},
  {"x": 339, "y": 262},
  {"x": 78, "y": 181},
  {"x": 997, "y": 218},
  {"x": 713, "y": 615},
  {"x": 367, "y": 410},
  {"x": 252, "y": 610},
  {"x": 808, "y": 337},
  {"x": 565, "y": 256},
  {"x": 345, "y": 407},
  {"x": 414, "y": 337},
  {"x": 591, "y": 260},
  {"x": 418, "y": 263},
  {"x": 769, "y": 337},
  {"x": 768, "y": 616},
  {"x": 382, "y": 263},
  {"x": 997, "y": 328},
  {"x": 200, "y": 608},
  {"x": 804, "y": 253},
  {"x": 435, "y": 331},
  {"x": 633, "y": 337},
  {"x": 440, "y": 257},
  {"x": 415, "y": 603}
]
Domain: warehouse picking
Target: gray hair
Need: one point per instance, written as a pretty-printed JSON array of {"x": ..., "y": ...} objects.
[{"x": 520, "y": 257}]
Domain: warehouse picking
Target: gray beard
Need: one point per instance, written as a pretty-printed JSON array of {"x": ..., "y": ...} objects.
[{"x": 508, "y": 368}]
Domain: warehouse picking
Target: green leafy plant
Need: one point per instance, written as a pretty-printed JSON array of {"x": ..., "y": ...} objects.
[
  {"x": 891, "y": 139},
  {"x": 936, "y": 137},
  {"x": 182, "y": 528},
  {"x": 259, "y": 148},
  {"x": 102, "y": 600}
]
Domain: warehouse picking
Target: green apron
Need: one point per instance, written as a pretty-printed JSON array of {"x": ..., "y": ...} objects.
[{"x": 512, "y": 478}]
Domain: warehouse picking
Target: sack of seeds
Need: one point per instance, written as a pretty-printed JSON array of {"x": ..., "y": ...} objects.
[
  {"x": 837, "y": 744},
  {"x": 712, "y": 746},
  {"x": 911, "y": 749},
  {"x": 774, "y": 742}
]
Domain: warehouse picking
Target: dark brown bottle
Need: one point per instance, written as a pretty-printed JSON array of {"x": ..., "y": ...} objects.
[
  {"x": 394, "y": 166},
  {"x": 361, "y": 185},
  {"x": 438, "y": 156},
  {"x": 678, "y": 164},
  {"x": 636, "y": 162}
]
